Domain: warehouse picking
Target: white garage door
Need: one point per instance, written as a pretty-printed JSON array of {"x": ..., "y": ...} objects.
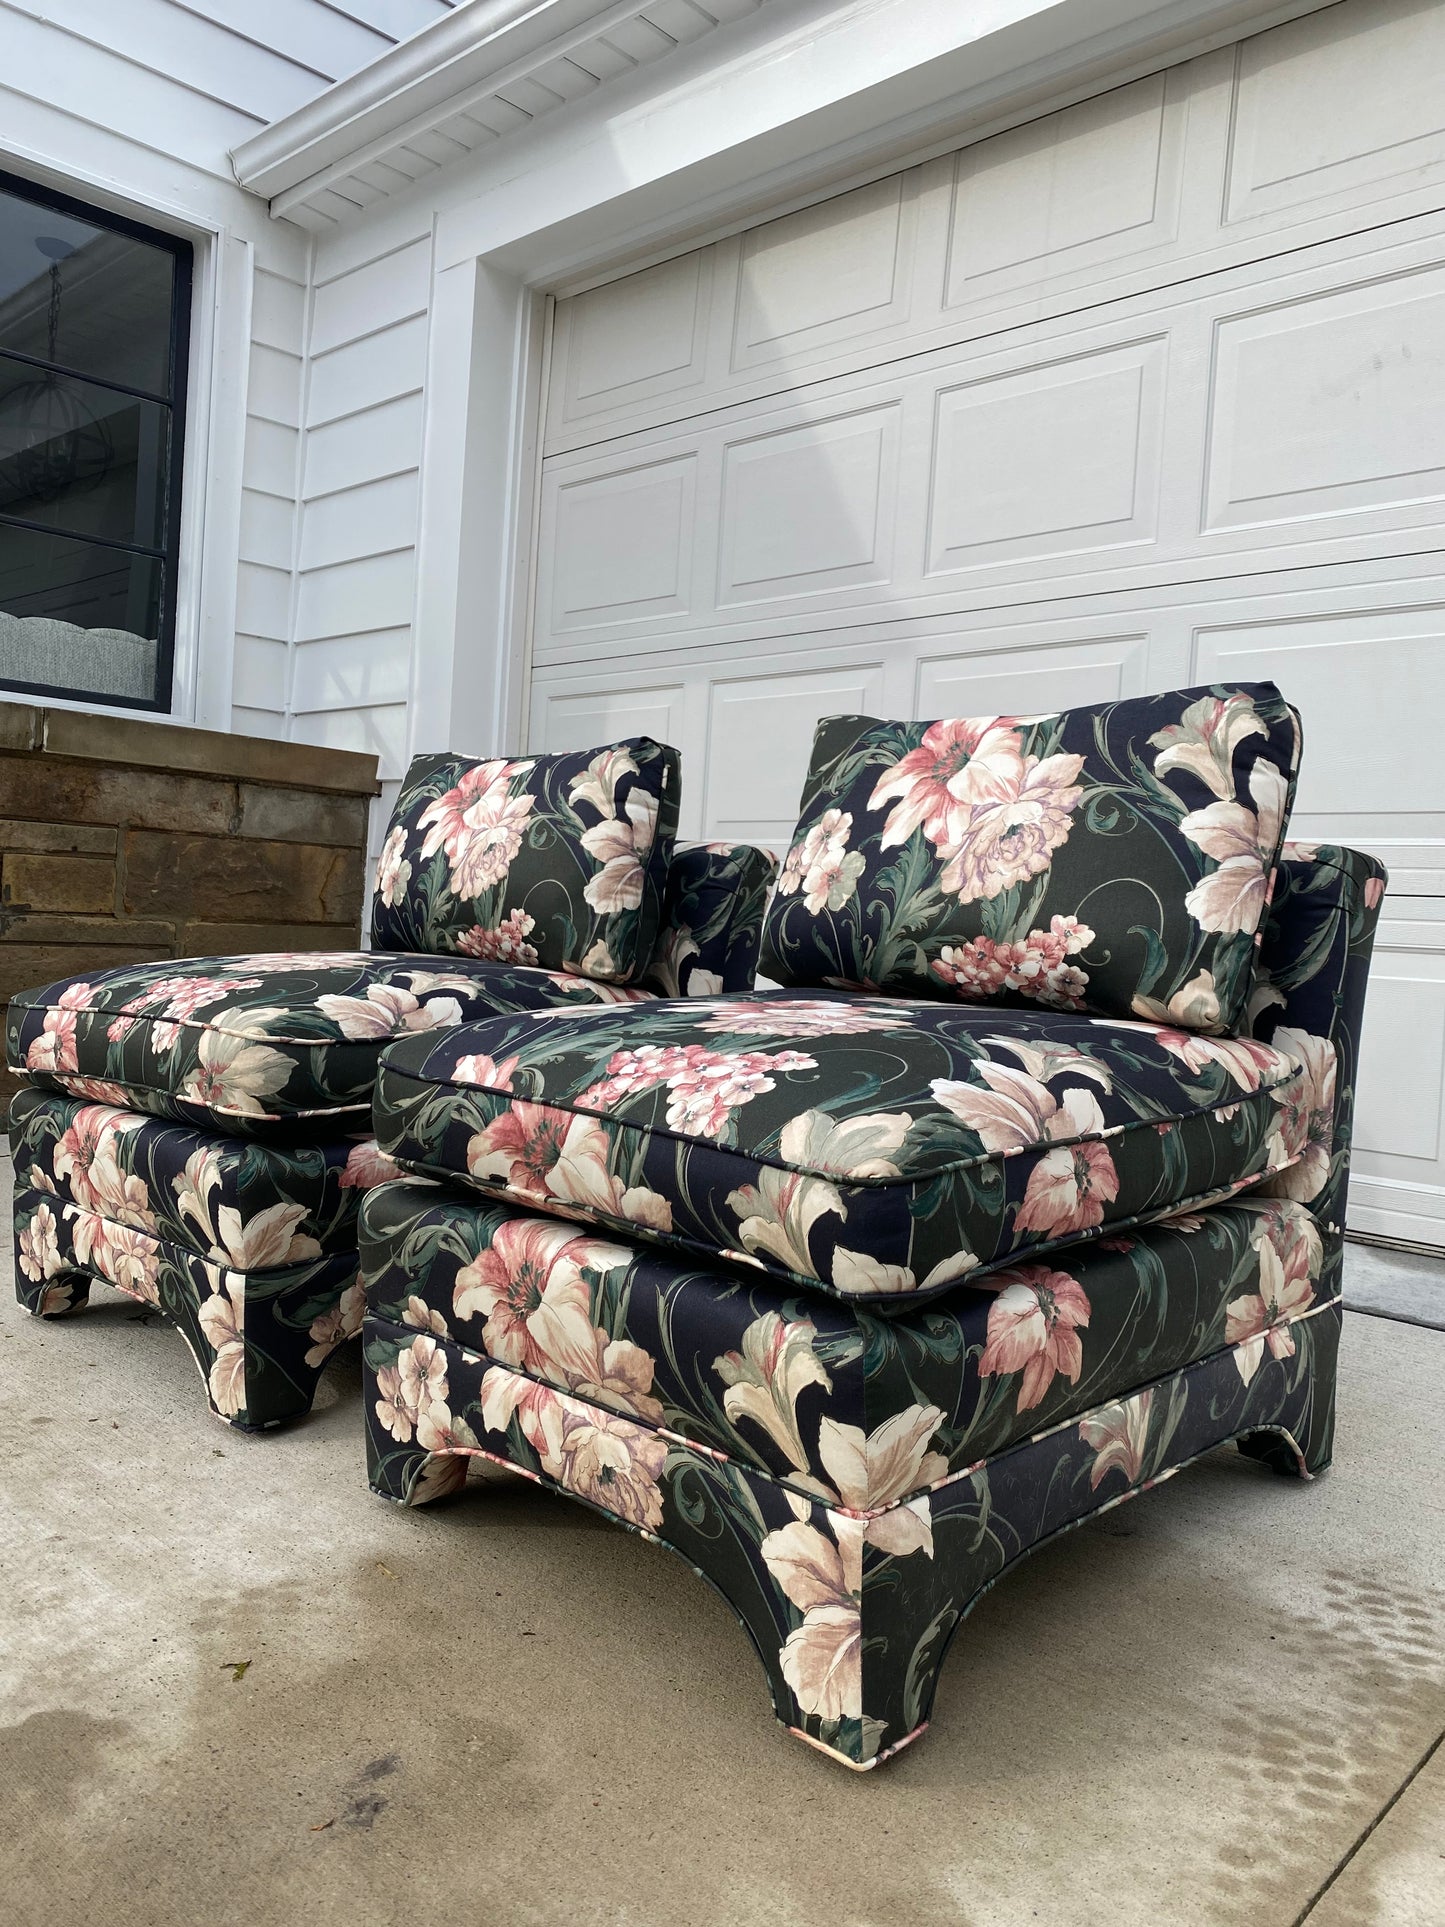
[{"x": 1146, "y": 393}]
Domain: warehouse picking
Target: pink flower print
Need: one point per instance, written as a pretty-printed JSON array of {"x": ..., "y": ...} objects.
[
  {"x": 478, "y": 1068},
  {"x": 1069, "y": 1187},
  {"x": 520, "y": 1148},
  {"x": 615, "y": 1464},
  {"x": 1289, "y": 1258},
  {"x": 715, "y": 1084},
  {"x": 529, "y": 1289},
  {"x": 705, "y": 1086},
  {"x": 1033, "y": 1327},
  {"x": 179, "y": 998},
  {"x": 507, "y": 943},
  {"x": 1306, "y": 1126},
  {"x": 923, "y": 781},
  {"x": 54, "y": 1049},
  {"x": 479, "y": 825},
  {"x": 1033, "y": 966},
  {"x": 1233, "y": 896},
  {"x": 822, "y": 866},
  {"x": 539, "y": 1409},
  {"x": 1118, "y": 1433},
  {"x": 1015, "y": 812},
  {"x": 393, "y": 872},
  {"x": 367, "y": 1164}
]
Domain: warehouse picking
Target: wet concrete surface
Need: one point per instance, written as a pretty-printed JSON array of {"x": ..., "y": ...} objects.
[{"x": 235, "y": 1686}]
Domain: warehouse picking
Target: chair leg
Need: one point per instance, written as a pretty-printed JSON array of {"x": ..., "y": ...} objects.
[
  {"x": 1305, "y": 1446},
  {"x": 259, "y": 1339},
  {"x": 48, "y": 1282},
  {"x": 57, "y": 1296},
  {"x": 409, "y": 1476},
  {"x": 852, "y": 1615},
  {"x": 262, "y": 1339}
]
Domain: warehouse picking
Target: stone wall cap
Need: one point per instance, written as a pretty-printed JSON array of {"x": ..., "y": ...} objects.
[{"x": 143, "y": 742}]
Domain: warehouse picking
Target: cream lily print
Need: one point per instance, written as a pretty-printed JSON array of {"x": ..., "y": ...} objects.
[
  {"x": 255, "y": 1045},
  {"x": 862, "y": 1410},
  {"x": 874, "y": 1150},
  {"x": 249, "y": 1249},
  {"x": 558, "y": 862},
  {"x": 1116, "y": 859},
  {"x": 851, "y": 1576}
]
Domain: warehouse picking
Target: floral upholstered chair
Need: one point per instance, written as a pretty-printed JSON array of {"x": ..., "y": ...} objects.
[
  {"x": 198, "y": 1133},
  {"x": 1023, "y": 1189}
]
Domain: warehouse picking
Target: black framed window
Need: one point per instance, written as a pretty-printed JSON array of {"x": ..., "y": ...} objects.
[{"x": 94, "y": 329}]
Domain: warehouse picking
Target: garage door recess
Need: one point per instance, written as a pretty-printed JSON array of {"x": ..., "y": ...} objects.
[{"x": 1150, "y": 391}]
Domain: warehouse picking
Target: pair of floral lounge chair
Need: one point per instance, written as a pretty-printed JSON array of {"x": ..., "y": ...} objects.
[{"x": 1025, "y": 1188}]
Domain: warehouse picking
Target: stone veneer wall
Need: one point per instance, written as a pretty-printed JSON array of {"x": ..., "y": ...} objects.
[{"x": 124, "y": 840}]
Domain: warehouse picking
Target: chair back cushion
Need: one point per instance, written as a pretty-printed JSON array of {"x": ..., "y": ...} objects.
[
  {"x": 1114, "y": 859},
  {"x": 712, "y": 921},
  {"x": 557, "y": 861}
]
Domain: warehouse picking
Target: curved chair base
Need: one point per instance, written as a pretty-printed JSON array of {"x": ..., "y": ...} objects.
[
  {"x": 259, "y": 1338},
  {"x": 851, "y": 1632}
]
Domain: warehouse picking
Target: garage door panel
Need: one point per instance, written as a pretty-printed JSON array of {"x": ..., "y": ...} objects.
[
  {"x": 1078, "y": 190},
  {"x": 1223, "y": 162},
  {"x": 1146, "y": 392},
  {"x": 1397, "y": 1185},
  {"x": 1296, "y": 419},
  {"x": 1052, "y": 460},
  {"x": 584, "y": 719},
  {"x": 1370, "y": 682},
  {"x": 751, "y": 690},
  {"x": 620, "y": 545},
  {"x": 1330, "y": 403},
  {"x": 1032, "y": 678},
  {"x": 826, "y": 275},
  {"x": 1363, "y": 659},
  {"x": 633, "y": 341},
  {"x": 764, "y": 725},
  {"x": 1332, "y": 109},
  {"x": 809, "y": 509}
]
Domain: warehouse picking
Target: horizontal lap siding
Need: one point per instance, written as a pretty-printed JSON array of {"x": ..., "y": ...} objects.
[{"x": 355, "y": 582}]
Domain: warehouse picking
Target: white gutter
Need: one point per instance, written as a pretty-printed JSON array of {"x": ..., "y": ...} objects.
[{"x": 467, "y": 54}]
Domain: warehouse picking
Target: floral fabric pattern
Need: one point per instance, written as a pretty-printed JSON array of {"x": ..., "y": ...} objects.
[
  {"x": 852, "y": 1476},
  {"x": 853, "y": 1144},
  {"x": 1309, "y": 999},
  {"x": 260, "y": 1044},
  {"x": 557, "y": 862},
  {"x": 260, "y": 1338},
  {"x": 254, "y": 1206},
  {"x": 850, "y": 1608},
  {"x": 712, "y": 924},
  {"x": 1117, "y": 859},
  {"x": 834, "y": 1401}
]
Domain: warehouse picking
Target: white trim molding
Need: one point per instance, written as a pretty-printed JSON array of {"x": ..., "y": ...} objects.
[{"x": 487, "y": 70}]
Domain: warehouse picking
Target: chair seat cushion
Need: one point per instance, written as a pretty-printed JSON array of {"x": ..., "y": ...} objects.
[
  {"x": 253, "y": 1206},
  {"x": 259, "y": 1044},
  {"x": 825, "y": 1396},
  {"x": 849, "y": 1143}
]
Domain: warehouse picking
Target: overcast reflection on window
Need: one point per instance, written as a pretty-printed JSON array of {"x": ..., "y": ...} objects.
[{"x": 93, "y": 328}]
